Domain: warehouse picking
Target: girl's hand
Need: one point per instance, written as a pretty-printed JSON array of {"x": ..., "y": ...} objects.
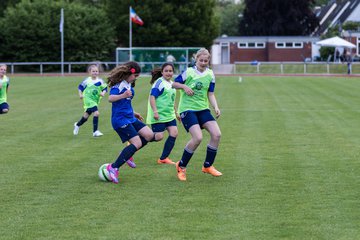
[
  {"x": 217, "y": 112},
  {"x": 102, "y": 94},
  {"x": 127, "y": 93},
  {"x": 178, "y": 117},
  {"x": 156, "y": 116},
  {"x": 188, "y": 90},
  {"x": 138, "y": 116}
]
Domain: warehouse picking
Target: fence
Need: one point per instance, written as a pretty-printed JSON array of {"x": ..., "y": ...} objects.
[
  {"x": 237, "y": 68},
  {"x": 295, "y": 68},
  {"x": 78, "y": 67}
]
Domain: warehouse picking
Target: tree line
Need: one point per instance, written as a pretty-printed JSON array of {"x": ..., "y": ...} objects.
[{"x": 94, "y": 28}]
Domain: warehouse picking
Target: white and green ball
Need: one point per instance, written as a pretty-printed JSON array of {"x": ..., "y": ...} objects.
[{"x": 103, "y": 173}]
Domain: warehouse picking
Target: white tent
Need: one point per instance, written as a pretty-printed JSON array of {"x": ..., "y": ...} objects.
[{"x": 335, "y": 42}]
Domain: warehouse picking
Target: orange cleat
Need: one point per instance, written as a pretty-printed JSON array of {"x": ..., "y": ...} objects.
[
  {"x": 181, "y": 172},
  {"x": 165, "y": 161},
  {"x": 211, "y": 170}
]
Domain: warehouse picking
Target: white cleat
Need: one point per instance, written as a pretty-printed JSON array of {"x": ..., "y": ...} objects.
[
  {"x": 76, "y": 129},
  {"x": 97, "y": 133}
]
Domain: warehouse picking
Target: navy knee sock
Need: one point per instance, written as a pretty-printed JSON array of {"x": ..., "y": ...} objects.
[
  {"x": 210, "y": 156},
  {"x": 168, "y": 146},
  {"x": 95, "y": 123},
  {"x": 187, "y": 154},
  {"x": 125, "y": 154},
  {"x": 81, "y": 121}
]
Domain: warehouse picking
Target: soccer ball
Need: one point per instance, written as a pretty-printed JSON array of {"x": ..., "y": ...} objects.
[{"x": 103, "y": 173}]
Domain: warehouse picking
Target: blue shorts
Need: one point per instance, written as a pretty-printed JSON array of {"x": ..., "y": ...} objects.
[
  {"x": 190, "y": 118},
  {"x": 130, "y": 130},
  {"x": 160, "y": 127},
  {"x": 91, "y": 110},
  {"x": 3, "y": 106}
]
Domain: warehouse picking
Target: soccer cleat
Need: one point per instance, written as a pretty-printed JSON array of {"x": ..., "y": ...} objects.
[
  {"x": 76, "y": 129},
  {"x": 97, "y": 133},
  {"x": 113, "y": 173},
  {"x": 211, "y": 170},
  {"x": 181, "y": 172},
  {"x": 131, "y": 163},
  {"x": 165, "y": 161}
]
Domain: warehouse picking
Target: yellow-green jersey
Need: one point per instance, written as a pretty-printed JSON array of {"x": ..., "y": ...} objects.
[
  {"x": 201, "y": 83},
  {"x": 165, "y": 99},
  {"x": 4, "y": 82},
  {"x": 91, "y": 89}
]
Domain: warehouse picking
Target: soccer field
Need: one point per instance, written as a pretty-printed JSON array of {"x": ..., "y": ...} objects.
[{"x": 289, "y": 155}]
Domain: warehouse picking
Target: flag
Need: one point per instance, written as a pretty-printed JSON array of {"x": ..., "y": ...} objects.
[
  {"x": 61, "y": 26},
  {"x": 135, "y": 18}
]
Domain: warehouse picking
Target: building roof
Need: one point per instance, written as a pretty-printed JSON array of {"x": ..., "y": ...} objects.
[{"x": 337, "y": 12}]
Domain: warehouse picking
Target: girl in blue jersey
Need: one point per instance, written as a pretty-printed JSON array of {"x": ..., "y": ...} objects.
[
  {"x": 124, "y": 120},
  {"x": 91, "y": 89},
  {"x": 4, "y": 88},
  {"x": 197, "y": 85},
  {"x": 161, "y": 112}
]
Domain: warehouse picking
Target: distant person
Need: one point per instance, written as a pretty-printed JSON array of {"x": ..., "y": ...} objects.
[
  {"x": 182, "y": 66},
  {"x": 161, "y": 113},
  {"x": 192, "y": 60},
  {"x": 197, "y": 86},
  {"x": 170, "y": 58},
  {"x": 91, "y": 90},
  {"x": 4, "y": 88},
  {"x": 349, "y": 60}
]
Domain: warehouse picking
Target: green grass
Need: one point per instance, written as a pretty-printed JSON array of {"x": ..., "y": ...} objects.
[{"x": 289, "y": 154}]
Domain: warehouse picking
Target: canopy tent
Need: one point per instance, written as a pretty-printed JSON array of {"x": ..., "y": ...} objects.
[{"x": 337, "y": 43}]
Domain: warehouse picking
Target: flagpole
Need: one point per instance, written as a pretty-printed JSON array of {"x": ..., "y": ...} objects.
[
  {"x": 62, "y": 40},
  {"x": 130, "y": 34}
]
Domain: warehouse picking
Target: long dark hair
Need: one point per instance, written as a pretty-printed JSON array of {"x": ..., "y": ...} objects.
[
  {"x": 157, "y": 72},
  {"x": 122, "y": 72}
]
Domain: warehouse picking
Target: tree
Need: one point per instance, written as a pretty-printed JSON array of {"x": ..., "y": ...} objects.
[
  {"x": 229, "y": 14},
  {"x": 174, "y": 23},
  {"x": 32, "y": 28},
  {"x": 278, "y": 18}
]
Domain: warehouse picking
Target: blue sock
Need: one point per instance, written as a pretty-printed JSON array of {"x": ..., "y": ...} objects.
[
  {"x": 95, "y": 123},
  {"x": 210, "y": 156},
  {"x": 187, "y": 154},
  {"x": 168, "y": 146},
  {"x": 125, "y": 154}
]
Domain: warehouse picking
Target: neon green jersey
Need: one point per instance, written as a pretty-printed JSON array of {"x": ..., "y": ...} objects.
[
  {"x": 91, "y": 90},
  {"x": 4, "y": 82},
  {"x": 165, "y": 99},
  {"x": 199, "y": 82}
]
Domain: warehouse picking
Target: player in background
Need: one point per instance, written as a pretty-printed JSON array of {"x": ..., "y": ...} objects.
[
  {"x": 127, "y": 123},
  {"x": 161, "y": 113},
  {"x": 197, "y": 85},
  {"x": 91, "y": 89},
  {"x": 4, "y": 88}
]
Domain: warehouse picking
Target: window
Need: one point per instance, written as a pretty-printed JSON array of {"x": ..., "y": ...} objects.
[
  {"x": 251, "y": 45},
  {"x": 289, "y": 45}
]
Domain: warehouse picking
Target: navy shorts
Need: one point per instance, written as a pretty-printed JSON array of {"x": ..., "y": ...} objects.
[
  {"x": 190, "y": 118},
  {"x": 91, "y": 110},
  {"x": 160, "y": 127},
  {"x": 3, "y": 106},
  {"x": 130, "y": 130}
]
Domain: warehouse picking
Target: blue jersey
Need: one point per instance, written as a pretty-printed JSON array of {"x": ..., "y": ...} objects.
[{"x": 122, "y": 111}]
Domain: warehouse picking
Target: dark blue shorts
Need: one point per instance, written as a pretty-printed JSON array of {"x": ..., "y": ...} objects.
[
  {"x": 91, "y": 110},
  {"x": 160, "y": 127},
  {"x": 4, "y": 105},
  {"x": 130, "y": 130},
  {"x": 190, "y": 118}
]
